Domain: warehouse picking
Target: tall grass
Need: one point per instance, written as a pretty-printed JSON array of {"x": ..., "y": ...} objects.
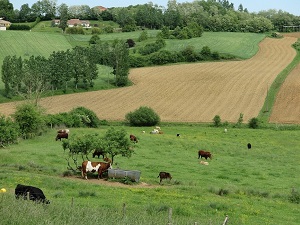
[{"x": 250, "y": 186}]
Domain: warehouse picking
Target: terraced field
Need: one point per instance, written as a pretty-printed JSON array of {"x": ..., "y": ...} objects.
[{"x": 188, "y": 92}]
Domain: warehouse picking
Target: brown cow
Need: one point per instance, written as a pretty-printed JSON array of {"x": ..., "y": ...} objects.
[
  {"x": 100, "y": 167},
  {"x": 164, "y": 175},
  {"x": 205, "y": 154},
  {"x": 133, "y": 138},
  {"x": 60, "y": 136}
]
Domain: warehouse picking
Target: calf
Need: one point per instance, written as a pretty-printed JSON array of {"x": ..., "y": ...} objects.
[
  {"x": 60, "y": 136},
  {"x": 164, "y": 175},
  {"x": 34, "y": 193},
  {"x": 202, "y": 153},
  {"x": 133, "y": 138},
  {"x": 100, "y": 167}
]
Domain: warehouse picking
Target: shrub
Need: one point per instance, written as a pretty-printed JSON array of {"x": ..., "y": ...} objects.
[
  {"x": 143, "y": 36},
  {"x": 130, "y": 43},
  {"x": 294, "y": 197},
  {"x": 9, "y": 131},
  {"x": 217, "y": 121},
  {"x": 108, "y": 29},
  {"x": 144, "y": 116},
  {"x": 30, "y": 120},
  {"x": 253, "y": 123},
  {"x": 87, "y": 117}
]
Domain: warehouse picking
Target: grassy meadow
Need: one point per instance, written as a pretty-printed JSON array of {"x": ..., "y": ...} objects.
[{"x": 250, "y": 186}]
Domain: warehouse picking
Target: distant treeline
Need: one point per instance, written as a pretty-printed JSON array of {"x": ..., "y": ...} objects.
[{"x": 212, "y": 15}]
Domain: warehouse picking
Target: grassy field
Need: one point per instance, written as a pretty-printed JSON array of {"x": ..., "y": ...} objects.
[{"x": 250, "y": 186}]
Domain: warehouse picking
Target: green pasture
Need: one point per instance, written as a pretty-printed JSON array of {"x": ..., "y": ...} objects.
[{"x": 250, "y": 186}]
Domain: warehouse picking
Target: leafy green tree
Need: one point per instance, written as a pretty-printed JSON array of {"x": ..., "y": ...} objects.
[
  {"x": 116, "y": 142},
  {"x": 143, "y": 116},
  {"x": 30, "y": 119},
  {"x": 9, "y": 131},
  {"x": 6, "y": 10},
  {"x": 25, "y": 13},
  {"x": 63, "y": 12},
  {"x": 120, "y": 62},
  {"x": 12, "y": 75},
  {"x": 35, "y": 79}
]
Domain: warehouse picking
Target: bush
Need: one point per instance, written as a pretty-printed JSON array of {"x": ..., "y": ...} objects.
[
  {"x": 9, "y": 131},
  {"x": 144, "y": 116},
  {"x": 87, "y": 117},
  {"x": 217, "y": 121},
  {"x": 30, "y": 120},
  {"x": 253, "y": 123},
  {"x": 130, "y": 43}
]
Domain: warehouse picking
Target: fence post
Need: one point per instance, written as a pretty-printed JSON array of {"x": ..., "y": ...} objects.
[
  {"x": 170, "y": 216},
  {"x": 226, "y": 219}
]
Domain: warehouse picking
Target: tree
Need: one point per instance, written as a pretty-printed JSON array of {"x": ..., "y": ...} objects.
[
  {"x": 25, "y": 12},
  {"x": 63, "y": 12},
  {"x": 30, "y": 119},
  {"x": 6, "y": 10},
  {"x": 253, "y": 123},
  {"x": 120, "y": 62},
  {"x": 12, "y": 75},
  {"x": 116, "y": 142},
  {"x": 94, "y": 39}
]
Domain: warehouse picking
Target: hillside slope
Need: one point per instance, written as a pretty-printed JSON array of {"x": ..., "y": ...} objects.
[{"x": 189, "y": 92}]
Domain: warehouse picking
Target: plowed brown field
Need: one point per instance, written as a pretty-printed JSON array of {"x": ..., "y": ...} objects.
[{"x": 189, "y": 92}]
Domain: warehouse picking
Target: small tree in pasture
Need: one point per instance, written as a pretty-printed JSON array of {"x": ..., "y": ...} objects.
[
  {"x": 114, "y": 142},
  {"x": 240, "y": 120}
]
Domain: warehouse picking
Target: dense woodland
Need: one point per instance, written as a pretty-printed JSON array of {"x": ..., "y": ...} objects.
[{"x": 212, "y": 15}]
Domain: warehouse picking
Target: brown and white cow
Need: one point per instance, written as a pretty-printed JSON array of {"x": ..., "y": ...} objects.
[
  {"x": 100, "y": 167},
  {"x": 60, "y": 136},
  {"x": 164, "y": 175}
]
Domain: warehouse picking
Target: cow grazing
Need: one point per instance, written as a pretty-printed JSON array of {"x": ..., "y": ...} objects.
[
  {"x": 100, "y": 167},
  {"x": 60, "y": 136},
  {"x": 133, "y": 138},
  {"x": 178, "y": 135},
  {"x": 34, "y": 193},
  {"x": 154, "y": 131},
  {"x": 205, "y": 154},
  {"x": 164, "y": 175},
  {"x": 249, "y": 146},
  {"x": 98, "y": 152}
]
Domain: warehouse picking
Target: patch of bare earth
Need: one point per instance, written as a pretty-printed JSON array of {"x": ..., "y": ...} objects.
[{"x": 188, "y": 92}]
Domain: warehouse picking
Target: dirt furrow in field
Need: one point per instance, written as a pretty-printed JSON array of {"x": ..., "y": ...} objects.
[{"x": 189, "y": 92}]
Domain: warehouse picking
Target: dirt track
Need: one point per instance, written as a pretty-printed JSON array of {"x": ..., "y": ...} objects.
[{"x": 190, "y": 92}]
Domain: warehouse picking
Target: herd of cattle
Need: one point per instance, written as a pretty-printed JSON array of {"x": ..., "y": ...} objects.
[{"x": 36, "y": 194}]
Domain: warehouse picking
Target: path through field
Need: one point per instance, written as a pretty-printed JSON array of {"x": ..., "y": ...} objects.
[
  {"x": 287, "y": 104},
  {"x": 188, "y": 92}
]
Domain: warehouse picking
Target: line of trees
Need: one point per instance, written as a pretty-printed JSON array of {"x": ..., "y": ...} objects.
[
  {"x": 212, "y": 15},
  {"x": 76, "y": 68}
]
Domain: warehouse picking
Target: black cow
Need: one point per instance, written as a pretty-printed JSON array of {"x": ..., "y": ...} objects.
[
  {"x": 98, "y": 152},
  {"x": 249, "y": 146},
  {"x": 34, "y": 193},
  {"x": 164, "y": 175}
]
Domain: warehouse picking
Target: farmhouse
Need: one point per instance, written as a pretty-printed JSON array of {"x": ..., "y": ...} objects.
[
  {"x": 77, "y": 22},
  {"x": 4, "y": 24}
]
